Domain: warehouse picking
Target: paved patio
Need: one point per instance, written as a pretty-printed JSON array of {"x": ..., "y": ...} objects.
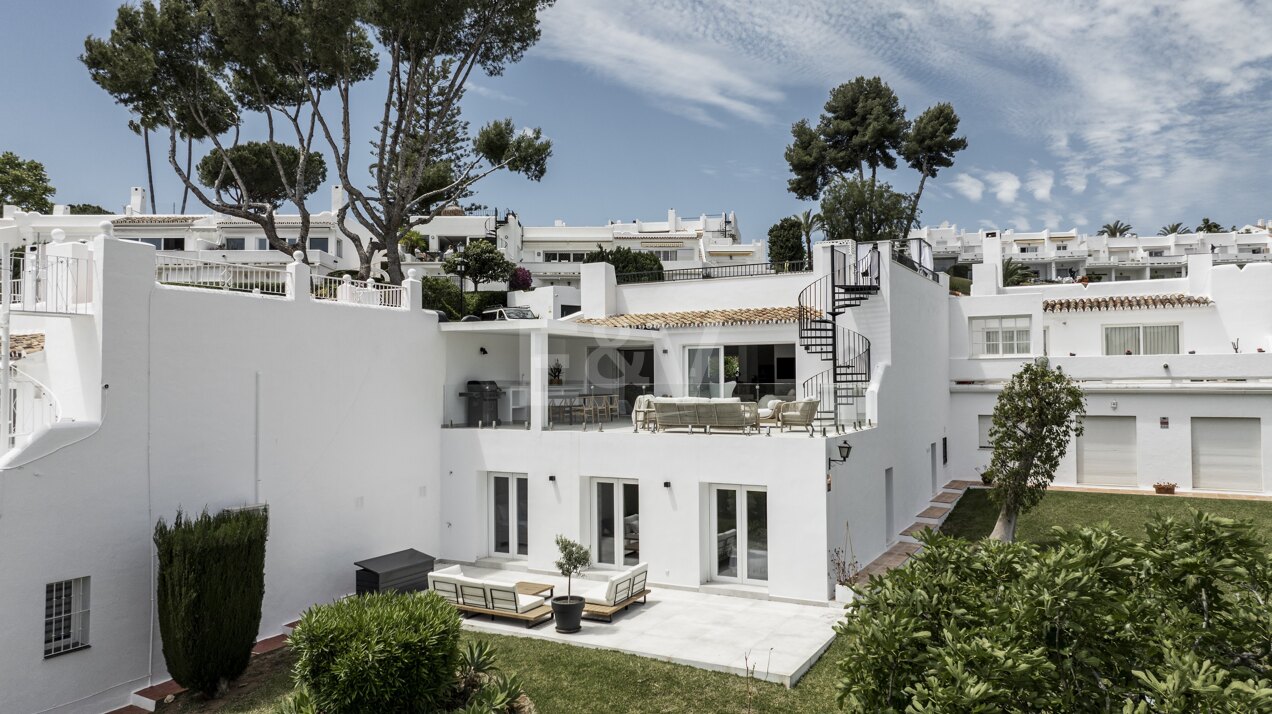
[{"x": 780, "y": 641}]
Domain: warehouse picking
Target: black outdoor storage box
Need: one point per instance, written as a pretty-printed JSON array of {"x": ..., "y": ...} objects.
[{"x": 403, "y": 571}]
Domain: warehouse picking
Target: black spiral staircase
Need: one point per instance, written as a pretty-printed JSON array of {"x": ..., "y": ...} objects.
[{"x": 851, "y": 281}]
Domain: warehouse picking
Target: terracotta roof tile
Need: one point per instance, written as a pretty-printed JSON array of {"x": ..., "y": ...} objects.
[
  {"x": 154, "y": 220},
  {"x": 699, "y": 318},
  {"x": 1124, "y": 302},
  {"x": 22, "y": 345}
]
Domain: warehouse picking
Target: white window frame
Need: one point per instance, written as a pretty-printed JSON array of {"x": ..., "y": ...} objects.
[
  {"x": 984, "y": 325},
  {"x": 516, "y": 481},
  {"x": 983, "y": 424},
  {"x": 1139, "y": 326},
  {"x": 619, "y": 503},
  {"x": 66, "y": 616}
]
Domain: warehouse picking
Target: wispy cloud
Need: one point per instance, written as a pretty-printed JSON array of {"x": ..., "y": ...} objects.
[
  {"x": 1004, "y": 185},
  {"x": 968, "y": 186},
  {"x": 1039, "y": 182},
  {"x": 482, "y": 90},
  {"x": 1135, "y": 98}
]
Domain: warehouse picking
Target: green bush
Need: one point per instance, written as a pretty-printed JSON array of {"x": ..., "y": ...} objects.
[
  {"x": 477, "y": 302},
  {"x": 1095, "y": 622},
  {"x": 638, "y": 266},
  {"x": 211, "y": 582},
  {"x": 384, "y": 652},
  {"x": 441, "y": 294}
]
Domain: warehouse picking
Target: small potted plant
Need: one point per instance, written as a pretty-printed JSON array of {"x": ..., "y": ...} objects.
[
  {"x": 1164, "y": 487},
  {"x": 845, "y": 572},
  {"x": 567, "y": 610},
  {"x": 554, "y": 373}
]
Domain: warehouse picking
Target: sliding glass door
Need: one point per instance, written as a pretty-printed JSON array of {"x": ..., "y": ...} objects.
[
  {"x": 739, "y": 534},
  {"x": 616, "y": 522},
  {"x": 704, "y": 371},
  {"x": 509, "y": 514}
]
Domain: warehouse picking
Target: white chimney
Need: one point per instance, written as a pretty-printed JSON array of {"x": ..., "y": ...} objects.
[
  {"x": 671, "y": 219},
  {"x": 61, "y": 210},
  {"x": 136, "y": 201},
  {"x": 337, "y": 198}
]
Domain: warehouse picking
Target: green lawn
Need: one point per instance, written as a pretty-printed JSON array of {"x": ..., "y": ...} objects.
[
  {"x": 563, "y": 679},
  {"x": 974, "y": 515},
  {"x": 567, "y": 679}
]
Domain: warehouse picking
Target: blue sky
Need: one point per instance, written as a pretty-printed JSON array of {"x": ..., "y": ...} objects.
[{"x": 1077, "y": 113}]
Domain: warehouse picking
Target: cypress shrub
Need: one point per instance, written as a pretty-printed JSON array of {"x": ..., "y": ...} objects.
[
  {"x": 211, "y": 582},
  {"x": 379, "y": 652}
]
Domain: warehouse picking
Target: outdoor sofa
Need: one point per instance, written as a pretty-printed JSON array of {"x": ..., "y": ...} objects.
[
  {"x": 623, "y": 589},
  {"x": 705, "y": 412},
  {"x": 487, "y": 597},
  {"x": 799, "y": 413}
]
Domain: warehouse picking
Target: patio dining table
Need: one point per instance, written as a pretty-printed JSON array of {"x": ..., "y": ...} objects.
[{"x": 567, "y": 403}]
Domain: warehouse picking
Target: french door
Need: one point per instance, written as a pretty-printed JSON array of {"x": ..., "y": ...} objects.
[
  {"x": 616, "y": 522},
  {"x": 739, "y": 534},
  {"x": 704, "y": 371},
  {"x": 509, "y": 514}
]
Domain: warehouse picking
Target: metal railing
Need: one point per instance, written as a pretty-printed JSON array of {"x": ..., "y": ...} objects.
[
  {"x": 908, "y": 262},
  {"x": 38, "y": 410},
  {"x": 51, "y": 284},
  {"x": 357, "y": 292},
  {"x": 211, "y": 275},
  {"x": 738, "y": 270}
]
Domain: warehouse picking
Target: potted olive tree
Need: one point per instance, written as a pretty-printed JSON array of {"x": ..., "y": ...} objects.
[{"x": 568, "y": 609}]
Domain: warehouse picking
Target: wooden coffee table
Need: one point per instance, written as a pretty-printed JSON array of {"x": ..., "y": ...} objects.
[{"x": 528, "y": 588}]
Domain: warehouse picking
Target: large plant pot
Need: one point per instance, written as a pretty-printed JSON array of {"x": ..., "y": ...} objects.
[{"x": 568, "y": 613}]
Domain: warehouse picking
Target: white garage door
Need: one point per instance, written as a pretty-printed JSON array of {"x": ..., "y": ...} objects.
[
  {"x": 1106, "y": 451},
  {"x": 1226, "y": 454}
]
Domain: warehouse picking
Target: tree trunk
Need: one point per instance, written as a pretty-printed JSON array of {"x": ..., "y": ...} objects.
[
  {"x": 1005, "y": 528},
  {"x": 185, "y": 192},
  {"x": 150, "y": 169},
  {"x": 914, "y": 207},
  {"x": 393, "y": 263},
  {"x": 808, "y": 250}
]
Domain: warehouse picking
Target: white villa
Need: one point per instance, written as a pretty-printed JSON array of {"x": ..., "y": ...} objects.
[
  {"x": 1064, "y": 256},
  {"x": 728, "y": 431},
  {"x": 553, "y": 254}
]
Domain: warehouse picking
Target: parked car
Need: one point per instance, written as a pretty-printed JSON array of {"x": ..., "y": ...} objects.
[{"x": 508, "y": 313}]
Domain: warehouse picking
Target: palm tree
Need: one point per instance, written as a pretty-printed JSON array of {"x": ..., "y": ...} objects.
[
  {"x": 1116, "y": 229},
  {"x": 1015, "y": 274},
  {"x": 809, "y": 223},
  {"x": 1209, "y": 226},
  {"x": 1171, "y": 229}
]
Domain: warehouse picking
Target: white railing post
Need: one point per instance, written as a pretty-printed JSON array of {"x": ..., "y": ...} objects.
[
  {"x": 298, "y": 278},
  {"x": 412, "y": 291},
  {"x": 6, "y": 307}
]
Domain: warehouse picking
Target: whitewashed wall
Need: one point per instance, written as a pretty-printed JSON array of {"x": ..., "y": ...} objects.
[{"x": 212, "y": 399}]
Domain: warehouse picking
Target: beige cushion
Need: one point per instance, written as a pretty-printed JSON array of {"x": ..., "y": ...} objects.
[
  {"x": 447, "y": 571},
  {"x": 606, "y": 595},
  {"x": 725, "y": 400},
  {"x": 765, "y": 413},
  {"x": 526, "y": 603}
]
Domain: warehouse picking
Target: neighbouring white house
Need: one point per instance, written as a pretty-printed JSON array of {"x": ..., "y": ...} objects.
[
  {"x": 1066, "y": 256},
  {"x": 1177, "y": 371},
  {"x": 729, "y": 428},
  {"x": 553, "y": 254}
]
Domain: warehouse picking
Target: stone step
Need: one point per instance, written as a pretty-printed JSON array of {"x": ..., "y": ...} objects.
[
  {"x": 915, "y": 528},
  {"x": 156, "y": 695},
  {"x": 934, "y": 513},
  {"x": 961, "y": 485},
  {"x": 946, "y": 497}
]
